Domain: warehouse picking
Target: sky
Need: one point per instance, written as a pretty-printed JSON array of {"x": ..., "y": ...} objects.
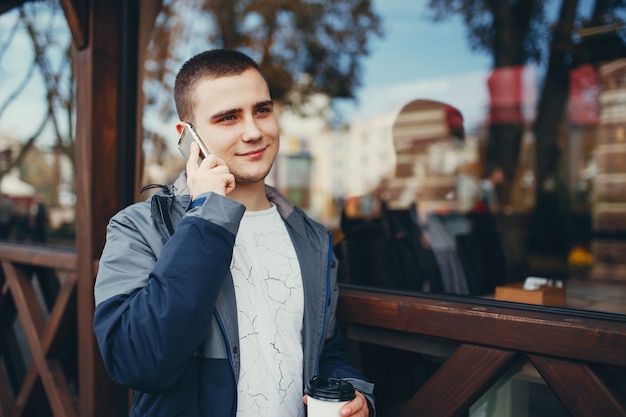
[
  {"x": 413, "y": 47},
  {"x": 415, "y": 58},
  {"x": 418, "y": 58}
]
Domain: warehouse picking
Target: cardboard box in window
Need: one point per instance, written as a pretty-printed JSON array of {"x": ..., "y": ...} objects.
[{"x": 549, "y": 296}]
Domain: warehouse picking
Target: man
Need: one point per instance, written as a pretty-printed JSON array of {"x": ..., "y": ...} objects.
[{"x": 235, "y": 312}]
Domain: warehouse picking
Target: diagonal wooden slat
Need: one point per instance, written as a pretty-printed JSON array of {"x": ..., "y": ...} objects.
[
  {"x": 58, "y": 322},
  {"x": 582, "y": 390},
  {"x": 30, "y": 392},
  {"x": 459, "y": 382},
  {"x": 21, "y": 289},
  {"x": 58, "y": 393},
  {"x": 69, "y": 404},
  {"x": 62, "y": 316}
]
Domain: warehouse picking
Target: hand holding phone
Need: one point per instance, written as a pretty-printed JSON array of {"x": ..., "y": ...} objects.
[
  {"x": 187, "y": 135},
  {"x": 210, "y": 175}
]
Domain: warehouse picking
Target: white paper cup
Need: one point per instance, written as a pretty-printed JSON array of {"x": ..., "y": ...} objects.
[
  {"x": 326, "y": 396},
  {"x": 324, "y": 408}
]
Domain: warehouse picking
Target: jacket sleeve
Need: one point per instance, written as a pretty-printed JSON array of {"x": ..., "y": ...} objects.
[{"x": 154, "y": 309}]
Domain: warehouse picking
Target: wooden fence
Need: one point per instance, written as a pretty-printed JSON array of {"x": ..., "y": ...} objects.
[
  {"x": 38, "y": 346},
  {"x": 477, "y": 342},
  {"x": 581, "y": 358}
]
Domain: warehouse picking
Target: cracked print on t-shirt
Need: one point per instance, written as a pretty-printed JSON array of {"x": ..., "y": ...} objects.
[{"x": 270, "y": 305}]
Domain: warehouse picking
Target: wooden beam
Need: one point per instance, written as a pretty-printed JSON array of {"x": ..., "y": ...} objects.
[
  {"x": 582, "y": 390},
  {"x": 97, "y": 140},
  {"x": 59, "y": 259},
  {"x": 459, "y": 382},
  {"x": 549, "y": 332},
  {"x": 77, "y": 16}
]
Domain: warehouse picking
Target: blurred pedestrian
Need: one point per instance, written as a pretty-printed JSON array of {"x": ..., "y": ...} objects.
[
  {"x": 38, "y": 220},
  {"x": 6, "y": 216},
  {"x": 488, "y": 196}
]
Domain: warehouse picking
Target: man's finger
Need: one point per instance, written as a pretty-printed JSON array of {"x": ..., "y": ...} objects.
[{"x": 192, "y": 162}]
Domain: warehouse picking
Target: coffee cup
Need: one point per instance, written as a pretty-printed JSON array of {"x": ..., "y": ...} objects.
[{"x": 326, "y": 396}]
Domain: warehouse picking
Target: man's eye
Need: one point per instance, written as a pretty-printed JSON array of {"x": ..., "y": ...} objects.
[{"x": 264, "y": 110}]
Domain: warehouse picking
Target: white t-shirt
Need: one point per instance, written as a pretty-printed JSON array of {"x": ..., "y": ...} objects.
[{"x": 270, "y": 309}]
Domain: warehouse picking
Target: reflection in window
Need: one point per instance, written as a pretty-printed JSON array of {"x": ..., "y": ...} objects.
[{"x": 545, "y": 156}]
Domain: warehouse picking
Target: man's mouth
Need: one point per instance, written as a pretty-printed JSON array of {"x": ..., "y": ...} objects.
[{"x": 256, "y": 154}]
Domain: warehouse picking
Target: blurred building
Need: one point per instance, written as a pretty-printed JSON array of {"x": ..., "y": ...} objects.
[
  {"x": 318, "y": 167},
  {"x": 609, "y": 202}
]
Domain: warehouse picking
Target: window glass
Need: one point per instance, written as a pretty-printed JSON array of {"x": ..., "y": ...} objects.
[
  {"x": 460, "y": 168},
  {"x": 488, "y": 175}
]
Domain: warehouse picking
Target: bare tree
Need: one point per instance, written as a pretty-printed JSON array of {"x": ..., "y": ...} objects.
[
  {"x": 308, "y": 46},
  {"x": 517, "y": 33},
  {"x": 36, "y": 22},
  {"x": 303, "y": 47},
  {"x": 514, "y": 34}
]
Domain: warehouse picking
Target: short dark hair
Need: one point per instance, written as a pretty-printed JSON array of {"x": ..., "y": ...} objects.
[{"x": 210, "y": 64}]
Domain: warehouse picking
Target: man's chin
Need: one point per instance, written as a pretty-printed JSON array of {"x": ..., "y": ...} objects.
[{"x": 250, "y": 179}]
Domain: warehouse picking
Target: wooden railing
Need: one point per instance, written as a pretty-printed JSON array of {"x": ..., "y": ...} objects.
[
  {"x": 477, "y": 343},
  {"x": 38, "y": 325},
  {"x": 577, "y": 355}
]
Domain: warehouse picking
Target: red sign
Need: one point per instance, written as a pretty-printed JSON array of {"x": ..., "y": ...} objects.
[
  {"x": 584, "y": 96},
  {"x": 506, "y": 92}
]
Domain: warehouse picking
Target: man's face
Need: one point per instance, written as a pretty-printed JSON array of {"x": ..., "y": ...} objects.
[{"x": 234, "y": 117}]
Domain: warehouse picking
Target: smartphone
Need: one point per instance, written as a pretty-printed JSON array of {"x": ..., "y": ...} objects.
[{"x": 188, "y": 134}]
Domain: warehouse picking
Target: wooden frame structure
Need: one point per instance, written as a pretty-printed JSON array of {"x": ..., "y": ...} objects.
[
  {"x": 105, "y": 35},
  {"x": 479, "y": 342},
  {"x": 49, "y": 292}
]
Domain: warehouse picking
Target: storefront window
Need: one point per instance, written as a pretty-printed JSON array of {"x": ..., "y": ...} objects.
[
  {"x": 526, "y": 186},
  {"x": 477, "y": 153}
]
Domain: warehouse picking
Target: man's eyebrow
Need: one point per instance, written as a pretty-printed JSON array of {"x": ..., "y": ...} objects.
[
  {"x": 264, "y": 104},
  {"x": 230, "y": 112},
  {"x": 226, "y": 113}
]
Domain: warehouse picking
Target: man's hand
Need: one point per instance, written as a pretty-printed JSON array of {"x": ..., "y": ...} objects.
[
  {"x": 211, "y": 175},
  {"x": 357, "y": 407}
]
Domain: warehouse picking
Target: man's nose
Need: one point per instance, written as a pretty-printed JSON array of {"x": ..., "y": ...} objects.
[{"x": 251, "y": 131}]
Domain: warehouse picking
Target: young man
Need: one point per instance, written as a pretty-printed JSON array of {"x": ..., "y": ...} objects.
[{"x": 235, "y": 312}]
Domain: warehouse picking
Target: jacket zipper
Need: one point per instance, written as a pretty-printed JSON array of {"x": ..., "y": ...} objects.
[
  {"x": 230, "y": 358},
  {"x": 326, "y": 301}
]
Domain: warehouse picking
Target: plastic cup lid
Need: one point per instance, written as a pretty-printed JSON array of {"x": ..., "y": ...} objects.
[{"x": 329, "y": 389}]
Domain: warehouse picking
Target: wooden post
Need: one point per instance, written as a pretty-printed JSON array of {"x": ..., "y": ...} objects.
[{"x": 104, "y": 72}]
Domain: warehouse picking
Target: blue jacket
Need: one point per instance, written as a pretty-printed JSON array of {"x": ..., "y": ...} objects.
[{"x": 166, "y": 320}]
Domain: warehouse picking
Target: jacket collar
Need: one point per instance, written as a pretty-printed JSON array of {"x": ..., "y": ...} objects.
[{"x": 284, "y": 206}]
